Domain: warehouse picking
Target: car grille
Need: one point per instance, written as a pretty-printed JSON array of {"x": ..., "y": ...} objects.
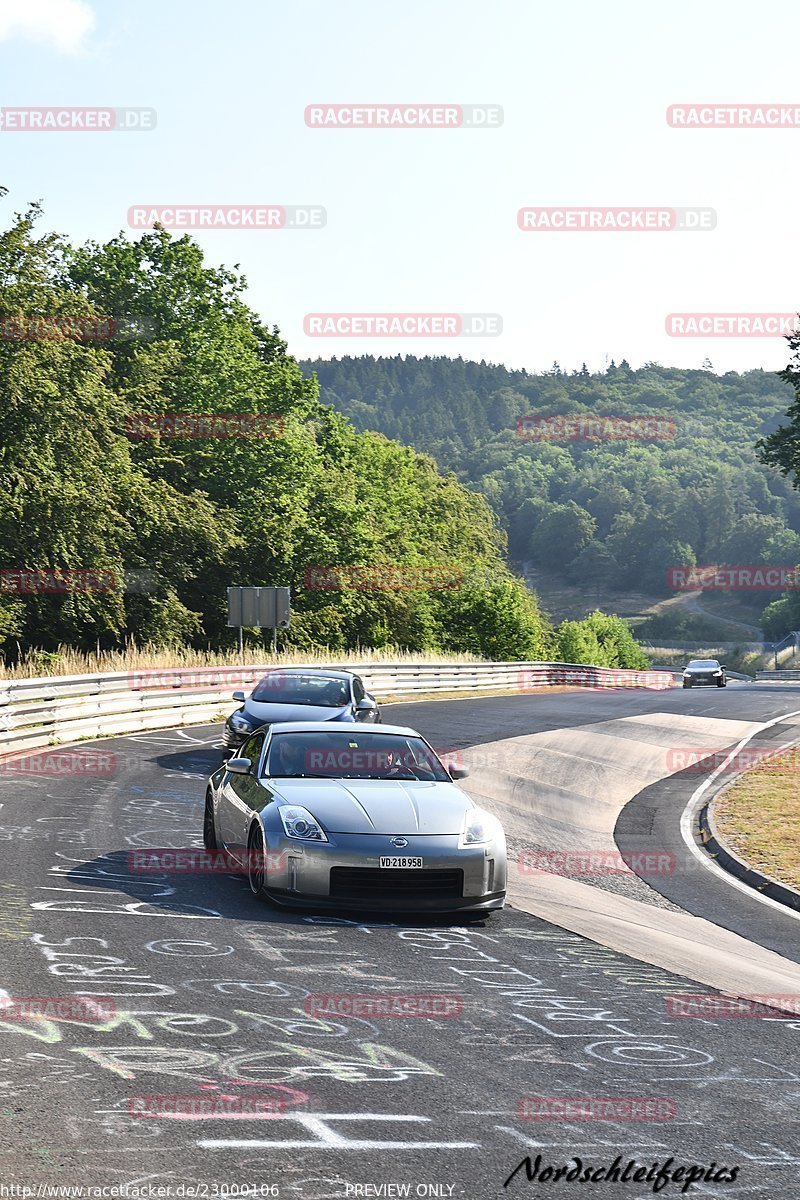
[{"x": 375, "y": 883}]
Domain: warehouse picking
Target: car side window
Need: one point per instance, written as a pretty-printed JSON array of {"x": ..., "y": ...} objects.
[
  {"x": 359, "y": 691},
  {"x": 252, "y": 750}
]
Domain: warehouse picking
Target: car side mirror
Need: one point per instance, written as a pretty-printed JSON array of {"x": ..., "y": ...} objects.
[
  {"x": 456, "y": 772},
  {"x": 366, "y": 706},
  {"x": 239, "y": 696},
  {"x": 238, "y": 766},
  {"x": 722, "y": 667}
]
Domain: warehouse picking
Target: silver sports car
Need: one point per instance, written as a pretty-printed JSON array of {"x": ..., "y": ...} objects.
[{"x": 360, "y": 817}]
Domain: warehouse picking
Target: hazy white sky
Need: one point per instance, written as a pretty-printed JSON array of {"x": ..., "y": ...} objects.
[{"x": 426, "y": 220}]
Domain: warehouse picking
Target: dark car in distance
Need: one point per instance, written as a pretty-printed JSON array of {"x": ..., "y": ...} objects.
[
  {"x": 299, "y": 694},
  {"x": 704, "y": 672}
]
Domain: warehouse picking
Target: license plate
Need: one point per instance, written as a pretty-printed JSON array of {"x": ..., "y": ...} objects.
[{"x": 394, "y": 861}]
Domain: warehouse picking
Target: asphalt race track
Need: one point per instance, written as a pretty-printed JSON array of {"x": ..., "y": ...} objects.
[{"x": 208, "y": 988}]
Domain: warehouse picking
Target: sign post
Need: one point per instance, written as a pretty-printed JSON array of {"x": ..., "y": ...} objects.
[{"x": 264, "y": 607}]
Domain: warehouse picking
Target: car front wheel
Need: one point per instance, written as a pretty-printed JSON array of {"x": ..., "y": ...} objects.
[
  {"x": 687, "y": 683},
  {"x": 255, "y": 861}
]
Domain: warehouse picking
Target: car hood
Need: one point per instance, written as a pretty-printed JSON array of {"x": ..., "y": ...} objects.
[
  {"x": 389, "y": 806},
  {"x": 271, "y": 713}
]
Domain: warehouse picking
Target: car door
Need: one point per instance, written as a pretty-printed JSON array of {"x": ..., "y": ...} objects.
[{"x": 238, "y": 795}]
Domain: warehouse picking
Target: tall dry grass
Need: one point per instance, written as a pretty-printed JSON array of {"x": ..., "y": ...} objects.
[{"x": 68, "y": 661}]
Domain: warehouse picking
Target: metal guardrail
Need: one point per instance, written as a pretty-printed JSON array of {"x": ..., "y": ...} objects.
[
  {"x": 767, "y": 675},
  {"x": 70, "y": 708}
]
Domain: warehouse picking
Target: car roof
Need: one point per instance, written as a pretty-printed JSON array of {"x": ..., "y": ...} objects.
[
  {"x": 340, "y": 727},
  {"x": 696, "y": 662},
  {"x": 324, "y": 673}
]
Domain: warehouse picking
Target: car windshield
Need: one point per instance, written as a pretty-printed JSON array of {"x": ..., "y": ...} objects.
[
  {"x": 704, "y": 662},
  {"x": 320, "y": 691},
  {"x": 348, "y": 755}
]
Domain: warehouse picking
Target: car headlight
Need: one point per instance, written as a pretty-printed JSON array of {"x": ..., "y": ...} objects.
[
  {"x": 299, "y": 823},
  {"x": 239, "y": 722},
  {"x": 477, "y": 828}
]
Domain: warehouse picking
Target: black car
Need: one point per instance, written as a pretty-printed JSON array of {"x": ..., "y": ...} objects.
[
  {"x": 704, "y": 672},
  {"x": 300, "y": 694}
]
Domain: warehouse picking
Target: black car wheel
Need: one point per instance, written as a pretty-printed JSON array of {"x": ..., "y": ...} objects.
[
  {"x": 255, "y": 861},
  {"x": 209, "y": 832},
  {"x": 687, "y": 683},
  {"x": 722, "y": 682}
]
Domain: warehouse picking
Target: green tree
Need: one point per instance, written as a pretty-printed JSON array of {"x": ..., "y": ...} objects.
[
  {"x": 750, "y": 539},
  {"x": 561, "y": 534},
  {"x": 601, "y": 640},
  {"x": 781, "y": 447},
  {"x": 74, "y": 498}
]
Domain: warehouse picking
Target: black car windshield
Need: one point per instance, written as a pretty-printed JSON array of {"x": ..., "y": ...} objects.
[
  {"x": 349, "y": 755},
  {"x": 319, "y": 691},
  {"x": 704, "y": 662}
]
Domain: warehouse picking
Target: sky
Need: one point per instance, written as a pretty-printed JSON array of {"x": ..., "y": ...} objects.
[{"x": 425, "y": 220}]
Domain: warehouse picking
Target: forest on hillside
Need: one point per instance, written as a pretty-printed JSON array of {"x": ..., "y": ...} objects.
[{"x": 620, "y": 512}]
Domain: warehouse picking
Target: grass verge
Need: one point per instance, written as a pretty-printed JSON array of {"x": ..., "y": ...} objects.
[{"x": 759, "y": 817}]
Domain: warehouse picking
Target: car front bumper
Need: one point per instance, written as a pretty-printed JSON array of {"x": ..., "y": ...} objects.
[{"x": 346, "y": 873}]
